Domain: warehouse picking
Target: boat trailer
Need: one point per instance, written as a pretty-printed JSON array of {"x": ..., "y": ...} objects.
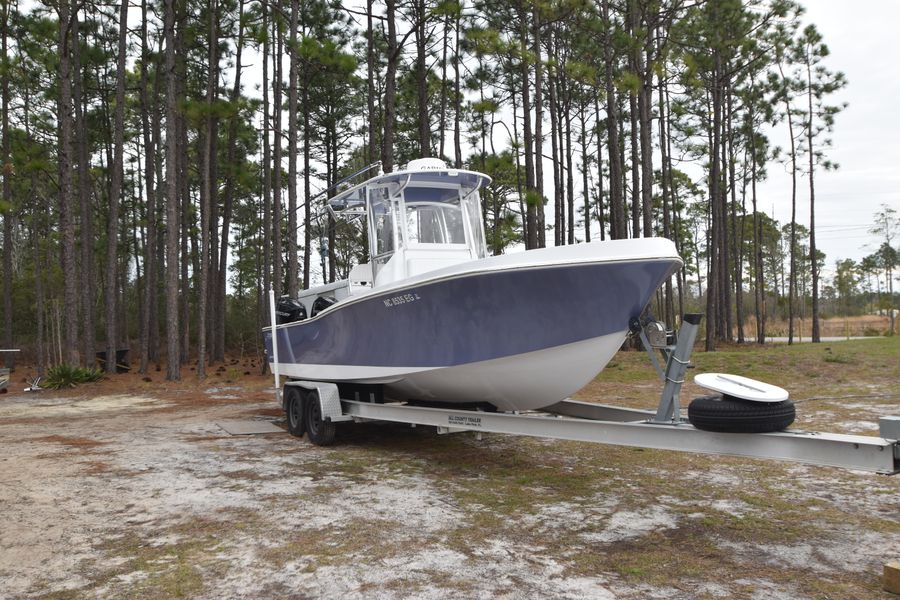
[{"x": 315, "y": 407}]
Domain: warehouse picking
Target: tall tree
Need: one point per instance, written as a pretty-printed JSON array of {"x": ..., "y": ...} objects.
[
  {"x": 886, "y": 225},
  {"x": 66, "y": 217},
  {"x": 118, "y": 174},
  {"x": 390, "y": 87},
  {"x": 293, "y": 78},
  {"x": 820, "y": 83},
  {"x": 83, "y": 183},
  {"x": 149, "y": 294},
  {"x": 173, "y": 359},
  {"x": 616, "y": 195},
  {"x": 7, "y": 276},
  {"x": 420, "y": 17},
  {"x": 231, "y": 177}
]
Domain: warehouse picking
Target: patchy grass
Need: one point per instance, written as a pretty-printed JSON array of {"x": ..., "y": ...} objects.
[{"x": 173, "y": 563}]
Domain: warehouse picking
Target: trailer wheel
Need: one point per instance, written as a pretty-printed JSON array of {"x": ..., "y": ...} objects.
[
  {"x": 294, "y": 410},
  {"x": 734, "y": 415},
  {"x": 320, "y": 431}
]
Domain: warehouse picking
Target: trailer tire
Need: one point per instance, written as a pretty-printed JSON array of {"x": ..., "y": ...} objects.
[
  {"x": 735, "y": 415},
  {"x": 320, "y": 431},
  {"x": 294, "y": 410}
]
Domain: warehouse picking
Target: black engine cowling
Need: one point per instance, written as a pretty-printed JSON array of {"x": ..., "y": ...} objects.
[{"x": 289, "y": 310}]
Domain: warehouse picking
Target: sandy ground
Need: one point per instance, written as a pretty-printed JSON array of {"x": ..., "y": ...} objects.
[{"x": 105, "y": 493}]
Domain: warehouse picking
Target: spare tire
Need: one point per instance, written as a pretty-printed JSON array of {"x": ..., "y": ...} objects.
[{"x": 735, "y": 415}]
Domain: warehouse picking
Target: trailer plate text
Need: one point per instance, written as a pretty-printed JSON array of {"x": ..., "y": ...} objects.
[{"x": 463, "y": 421}]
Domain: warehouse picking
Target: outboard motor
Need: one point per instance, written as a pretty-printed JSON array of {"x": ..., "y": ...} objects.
[
  {"x": 321, "y": 303},
  {"x": 289, "y": 310}
]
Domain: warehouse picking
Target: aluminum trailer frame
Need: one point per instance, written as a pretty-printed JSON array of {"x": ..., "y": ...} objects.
[
  {"x": 662, "y": 429},
  {"x": 613, "y": 425}
]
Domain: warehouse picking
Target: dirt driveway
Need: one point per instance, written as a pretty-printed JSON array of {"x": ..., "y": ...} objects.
[{"x": 108, "y": 493}]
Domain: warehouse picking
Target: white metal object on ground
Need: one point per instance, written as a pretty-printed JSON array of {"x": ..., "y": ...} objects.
[
  {"x": 741, "y": 387},
  {"x": 249, "y": 427}
]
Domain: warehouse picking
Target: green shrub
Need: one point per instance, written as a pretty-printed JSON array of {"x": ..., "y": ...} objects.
[{"x": 67, "y": 376}]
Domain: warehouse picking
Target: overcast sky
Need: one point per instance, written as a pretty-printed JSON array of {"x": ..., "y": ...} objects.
[{"x": 862, "y": 37}]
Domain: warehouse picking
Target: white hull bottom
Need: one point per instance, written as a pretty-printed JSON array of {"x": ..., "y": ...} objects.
[{"x": 520, "y": 382}]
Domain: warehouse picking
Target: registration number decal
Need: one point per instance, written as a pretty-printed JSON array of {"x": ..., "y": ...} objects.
[{"x": 401, "y": 299}]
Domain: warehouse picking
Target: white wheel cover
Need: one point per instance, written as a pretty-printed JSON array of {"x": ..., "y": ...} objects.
[{"x": 741, "y": 387}]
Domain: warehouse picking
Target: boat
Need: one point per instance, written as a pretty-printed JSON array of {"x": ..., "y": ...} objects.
[{"x": 433, "y": 319}]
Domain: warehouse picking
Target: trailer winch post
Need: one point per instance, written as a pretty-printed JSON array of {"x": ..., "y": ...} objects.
[{"x": 677, "y": 361}]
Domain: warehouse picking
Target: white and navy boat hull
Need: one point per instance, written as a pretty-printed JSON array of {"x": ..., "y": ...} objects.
[{"x": 520, "y": 331}]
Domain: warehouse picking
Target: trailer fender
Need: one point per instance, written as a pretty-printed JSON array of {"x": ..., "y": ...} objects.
[{"x": 329, "y": 398}]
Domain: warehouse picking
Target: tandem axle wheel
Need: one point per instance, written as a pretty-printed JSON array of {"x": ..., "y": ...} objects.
[{"x": 303, "y": 410}]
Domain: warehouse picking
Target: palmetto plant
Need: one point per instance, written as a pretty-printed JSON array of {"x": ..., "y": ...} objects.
[{"x": 67, "y": 376}]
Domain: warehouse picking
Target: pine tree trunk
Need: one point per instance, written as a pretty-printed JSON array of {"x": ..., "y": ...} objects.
[
  {"x": 442, "y": 119},
  {"x": 307, "y": 189},
  {"x": 519, "y": 185},
  {"x": 150, "y": 268},
  {"x": 372, "y": 144},
  {"x": 457, "y": 100},
  {"x": 676, "y": 214},
  {"x": 207, "y": 199},
  {"x": 66, "y": 216},
  {"x": 265, "y": 317},
  {"x": 422, "y": 81},
  {"x": 538, "y": 134},
  {"x": 585, "y": 193},
  {"x": 813, "y": 259},
  {"x": 666, "y": 199},
  {"x": 173, "y": 371},
  {"x": 531, "y": 222},
  {"x": 88, "y": 277},
  {"x": 118, "y": 174},
  {"x": 293, "y": 76},
  {"x": 219, "y": 327},
  {"x": 616, "y": 201},
  {"x": 728, "y": 209},
  {"x": 601, "y": 212},
  {"x": 559, "y": 222},
  {"x": 713, "y": 281},
  {"x": 570, "y": 171},
  {"x": 645, "y": 93},
  {"x": 183, "y": 184},
  {"x": 278, "y": 47},
  {"x": 155, "y": 338},
  {"x": 635, "y": 168},
  {"x": 39, "y": 234},
  {"x": 9, "y": 357},
  {"x": 39, "y": 231},
  {"x": 390, "y": 88},
  {"x": 792, "y": 276}
]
